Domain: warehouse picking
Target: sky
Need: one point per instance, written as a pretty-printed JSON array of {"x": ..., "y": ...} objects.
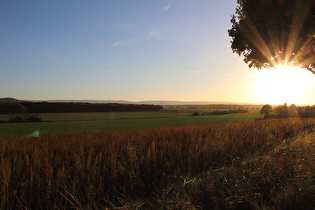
[{"x": 129, "y": 50}]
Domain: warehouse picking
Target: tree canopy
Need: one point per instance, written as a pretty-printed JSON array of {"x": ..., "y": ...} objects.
[
  {"x": 283, "y": 111},
  {"x": 269, "y": 33},
  {"x": 266, "y": 109}
]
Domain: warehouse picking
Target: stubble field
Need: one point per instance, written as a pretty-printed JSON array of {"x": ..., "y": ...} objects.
[{"x": 254, "y": 165}]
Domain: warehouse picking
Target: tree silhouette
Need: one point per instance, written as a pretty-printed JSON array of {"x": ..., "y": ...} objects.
[
  {"x": 266, "y": 110},
  {"x": 282, "y": 111},
  {"x": 293, "y": 111},
  {"x": 269, "y": 33}
]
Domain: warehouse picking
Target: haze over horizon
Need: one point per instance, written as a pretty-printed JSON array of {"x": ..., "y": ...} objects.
[{"x": 166, "y": 50}]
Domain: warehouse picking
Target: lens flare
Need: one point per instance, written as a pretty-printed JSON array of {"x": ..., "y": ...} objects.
[{"x": 36, "y": 133}]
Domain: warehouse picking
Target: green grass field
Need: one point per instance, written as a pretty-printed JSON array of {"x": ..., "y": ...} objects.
[
  {"x": 101, "y": 115},
  {"x": 76, "y": 122}
]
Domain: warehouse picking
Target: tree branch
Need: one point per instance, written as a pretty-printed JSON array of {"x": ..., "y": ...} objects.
[{"x": 311, "y": 69}]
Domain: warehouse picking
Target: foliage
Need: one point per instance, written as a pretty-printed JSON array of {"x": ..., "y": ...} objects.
[
  {"x": 307, "y": 111},
  {"x": 208, "y": 107},
  {"x": 283, "y": 111},
  {"x": 66, "y": 107},
  {"x": 293, "y": 111},
  {"x": 33, "y": 118},
  {"x": 221, "y": 112},
  {"x": 269, "y": 33},
  {"x": 220, "y": 166},
  {"x": 266, "y": 109},
  {"x": 11, "y": 108},
  {"x": 24, "y": 118},
  {"x": 195, "y": 114},
  {"x": 16, "y": 119}
]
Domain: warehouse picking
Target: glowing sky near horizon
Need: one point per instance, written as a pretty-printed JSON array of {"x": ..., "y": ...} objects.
[{"x": 129, "y": 50}]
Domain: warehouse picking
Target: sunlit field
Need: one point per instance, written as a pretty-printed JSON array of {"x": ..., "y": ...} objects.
[{"x": 254, "y": 165}]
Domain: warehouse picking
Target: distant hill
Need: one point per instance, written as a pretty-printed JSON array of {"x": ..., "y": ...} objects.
[
  {"x": 10, "y": 100},
  {"x": 151, "y": 102}
]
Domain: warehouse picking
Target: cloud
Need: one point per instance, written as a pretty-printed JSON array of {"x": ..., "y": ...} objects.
[
  {"x": 166, "y": 8},
  {"x": 177, "y": 70},
  {"x": 126, "y": 42},
  {"x": 154, "y": 34},
  {"x": 117, "y": 43}
]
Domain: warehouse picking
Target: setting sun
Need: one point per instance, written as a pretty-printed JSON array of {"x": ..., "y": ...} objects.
[{"x": 285, "y": 84}]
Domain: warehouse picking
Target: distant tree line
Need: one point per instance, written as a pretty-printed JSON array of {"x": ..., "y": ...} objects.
[
  {"x": 46, "y": 107},
  {"x": 285, "y": 111},
  {"x": 211, "y": 106},
  {"x": 24, "y": 118},
  {"x": 7, "y": 107},
  {"x": 57, "y": 107},
  {"x": 18, "y": 112},
  {"x": 221, "y": 112}
]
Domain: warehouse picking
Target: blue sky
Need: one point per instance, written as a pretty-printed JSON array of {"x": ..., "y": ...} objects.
[{"x": 123, "y": 50}]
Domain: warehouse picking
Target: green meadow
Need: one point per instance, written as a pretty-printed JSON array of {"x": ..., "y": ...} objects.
[{"x": 78, "y": 122}]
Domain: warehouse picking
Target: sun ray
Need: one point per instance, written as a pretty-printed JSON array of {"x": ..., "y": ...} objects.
[
  {"x": 298, "y": 20},
  {"x": 258, "y": 40},
  {"x": 282, "y": 36}
]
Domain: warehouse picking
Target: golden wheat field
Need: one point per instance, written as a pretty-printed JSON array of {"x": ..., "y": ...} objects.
[{"x": 263, "y": 164}]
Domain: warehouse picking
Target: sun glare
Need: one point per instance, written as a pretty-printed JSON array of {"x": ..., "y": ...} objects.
[{"x": 286, "y": 84}]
